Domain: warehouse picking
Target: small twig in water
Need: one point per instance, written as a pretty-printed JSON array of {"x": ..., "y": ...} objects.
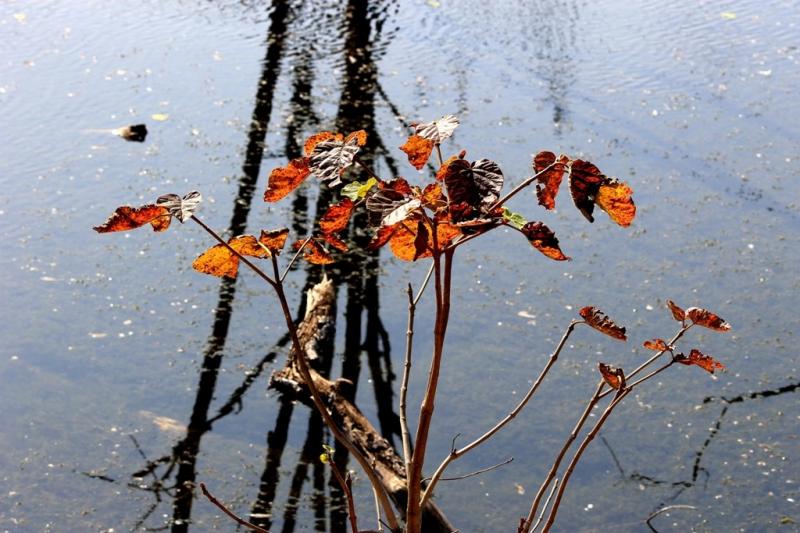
[{"x": 664, "y": 510}]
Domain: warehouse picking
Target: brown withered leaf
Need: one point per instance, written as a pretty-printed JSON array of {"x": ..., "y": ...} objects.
[
  {"x": 657, "y": 345},
  {"x": 381, "y": 237},
  {"x": 677, "y": 313},
  {"x": 475, "y": 184},
  {"x": 438, "y": 130},
  {"x": 599, "y": 321},
  {"x": 274, "y": 240},
  {"x": 330, "y": 158},
  {"x": 584, "y": 183},
  {"x": 399, "y": 185},
  {"x": 418, "y": 150},
  {"x": 444, "y": 169},
  {"x": 615, "y": 198},
  {"x": 127, "y": 218},
  {"x": 337, "y": 217},
  {"x": 543, "y": 239},
  {"x": 335, "y": 241},
  {"x": 547, "y": 185},
  {"x": 697, "y": 358},
  {"x": 432, "y": 197},
  {"x": 420, "y": 240},
  {"x": 180, "y": 208},
  {"x": 314, "y": 253},
  {"x": 707, "y": 319},
  {"x": 391, "y": 203},
  {"x": 613, "y": 376},
  {"x": 283, "y": 180}
]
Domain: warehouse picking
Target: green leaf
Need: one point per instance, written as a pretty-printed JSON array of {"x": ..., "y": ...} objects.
[
  {"x": 515, "y": 219},
  {"x": 357, "y": 190}
]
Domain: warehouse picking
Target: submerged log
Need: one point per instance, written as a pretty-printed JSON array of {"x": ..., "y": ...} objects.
[{"x": 316, "y": 327}]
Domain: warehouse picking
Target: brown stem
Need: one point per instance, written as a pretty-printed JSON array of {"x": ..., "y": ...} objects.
[
  {"x": 455, "y": 454},
  {"x": 554, "y": 468},
  {"x": 302, "y": 365},
  {"x": 346, "y": 485},
  {"x": 234, "y": 516},
  {"x": 404, "y": 385},
  {"x": 621, "y": 393},
  {"x": 439, "y": 153},
  {"x": 546, "y": 503},
  {"x": 477, "y": 472},
  {"x": 294, "y": 257}
]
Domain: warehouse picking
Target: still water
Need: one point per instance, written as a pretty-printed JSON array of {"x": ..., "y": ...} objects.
[{"x": 124, "y": 374}]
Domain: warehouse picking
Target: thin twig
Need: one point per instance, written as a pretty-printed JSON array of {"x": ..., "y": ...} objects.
[
  {"x": 294, "y": 257},
  {"x": 455, "y": 454},
  {"x": 439, "y": 153},
  {"x": 521, "y": 186},
  {"x": 546, "y": 503},
  {"x": 478, "y": 472},
  {"x": 242, "y": 258},
  {"x": 234, "y": 516},
  {"x": 664, "y": 510},
  {"x": 377, "y": 510},
  {"x": 424, "y": 284},
  {"x": 404, "y": 384},
  {"x": 346, "y": 486}
]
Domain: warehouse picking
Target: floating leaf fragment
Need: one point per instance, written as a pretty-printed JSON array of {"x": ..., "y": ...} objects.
[
  {"x": 134, "y": 132},
  {"x": 160, "y": 117},
  {"x": 599, "y": 321}
]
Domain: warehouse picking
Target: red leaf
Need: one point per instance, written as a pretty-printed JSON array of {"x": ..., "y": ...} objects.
[
  {"x": 599, "y": 321},
  {"x": 335, "y": 241},
  {"x": 127, "y": 218},
  {"x": 707, "y": 319},
  {"x": 337, "y": 217},
  {"x": 657, "y": 345},
  {"x": 418, "y": 150},
  {"x": 614, "y": 197},
  {"x": 359, "y": 136},
  {"x": 613, "y": 376},
  {"x": 284, "y": 180},
  {"x": 584, "y": 183},
  {"x": 381, "y": 237},
  {"x": 543, "y": 239},
  {"x": 677, "y": 313},
  {"x": 549, "y": 182},
  {"x": 697, "y": 358}
]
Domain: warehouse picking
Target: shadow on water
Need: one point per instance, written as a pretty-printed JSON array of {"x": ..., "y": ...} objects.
[{"x": 174, "y": 475}]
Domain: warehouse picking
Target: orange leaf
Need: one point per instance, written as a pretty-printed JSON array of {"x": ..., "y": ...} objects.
[
  {"x": 599, "y": 321},
  {"x": 336, "y": 242},
  {"x": 284, "y": 180},
  {"x": 432, "y": 197},
  {"x": 274, "y": 240},
  {"x": 317, "y": 138},
  {"x": 584, "y": 182},
  {"x": 543, "y": 239},
  {"x": 248, "y": 245},
  {"x": 657, "y": 345},
  {"x": 127, "y": 218},
  {"x": 614, "y": 197},
  {"x": 697, "y": 358},
  {"x": 399, "y": 185},
  {"x": 314, "y": 253},
  {"x": 217, "y": 261},
  {"x": 444, "y": 169},
  {"x": 613, "y": 376},
  {"x": 337, "y": 217},
  {"x": 677, "y": 313},
  {"x": 549, "y": 182},
  {"x": 418, "y": 150},
  {"x": 707, "y": 319},
  {"x": 360, "y": 136},
  {"x": 403, "y": 241},
  {"x": 381, "y": 237}
]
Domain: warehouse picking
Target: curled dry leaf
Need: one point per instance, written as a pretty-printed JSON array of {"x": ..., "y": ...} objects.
[
  {"x": 442, "y": 172},
  {"x": 543, "y": 239},
  {"x": 337, "y": 217},
  {"x": 584, "y": 183},
  {"x": 547, "y": 185},
  {"x": 330, "y": 158},
  {"x": 283, "y": 180},
  {"x": 180, "y": 208},
  {"x": 392, "y": 198},
  {"x": 313, "y": 252},
  {"x": 613, "y": 376},
  {"x": 418, "y": 150},
  {"x": 677, "y": 313},
  {"x": 274, "y": 240},
  {"x": 657, "y": 345},
  {"x": 599, "y": 321},
  {"x": 707, "y": 319},
  {"x": 127, "y": 218},
  {"x": 697, "y": 358},
  {"x": 438, "y": 130},
  {"x": 615, "y": 198},
  {"x": 476, "y": 185}
]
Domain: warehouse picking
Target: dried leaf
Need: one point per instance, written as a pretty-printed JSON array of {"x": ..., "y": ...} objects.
[
  {"x": 127, "y": 218},
  {"x": 477, "y": 185},
  {"x": 217, "y": 261},
  {"x": 707, "y": 319},
  {"x": 584, "y": 183},
  {"x": 317, "y": 138},
  {"x": 283, "y": 180},
  {"x": 135, "y": 132},
  {"x": 438, "y": 130},
  {"x": 337, "y": 217},
  {"x": 180, "y": 208},
  {"x": 432, "y": 197},
  {"x": 335, "y": 241},
  {"x": 406, "y": 243},
  {"x": 614, "y": 197},
  {"x": 677, "y": 313},
  {"x": 443, "y": 170},
  {"x": 697, "y": 358},
  {"x": 421, "y": 240},
  {"x": 418, "y": 150},
  {"x": 360, "y": 137},
  {"x": 657, "y": 345},
  {"x": 613, "y": 376},
  {"x": 356, "y": 190},
  {"x": 381, "y": 237},
  {"x": 402, "y": 212},
  {"x": 543, "y": 239},
  {"x": 332, "y": 157},
  {"x": 399, "y": 185},
  {"x": 274, "y": 240},
  {"x": 314, "y": 253},
  {"x": 599, "y": 321},
  {"x": 547, "y": 185},
  {"x": 248, "y": 245},
  {"x": 391, "y": 203}
]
